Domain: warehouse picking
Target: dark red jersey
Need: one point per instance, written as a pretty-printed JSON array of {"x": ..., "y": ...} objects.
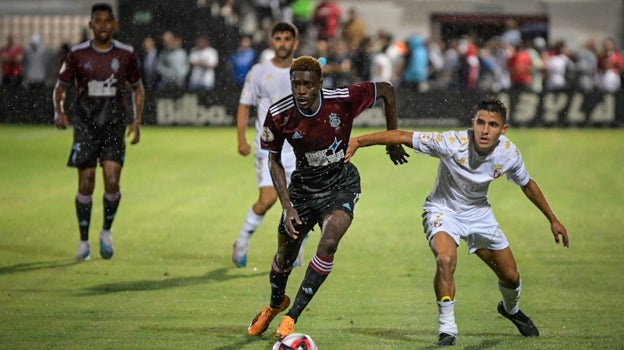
[
  {"x": 320, "y": 139},
  {"x": 101, "y": 79}
]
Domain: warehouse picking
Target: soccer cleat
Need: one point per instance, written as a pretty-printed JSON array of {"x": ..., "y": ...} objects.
[
  {"x": 522, "y": 321},
  {"x": 84, "y": 251},
  {"x": 446, "y": 339},
  {"x": 286, "y": 327},
  {"x": 106, "y": 244},
  {"x": 261, "y": 322},
  {"x": 239, "y": 254}
]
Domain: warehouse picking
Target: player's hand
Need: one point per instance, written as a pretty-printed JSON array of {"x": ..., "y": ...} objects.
[
  {"x": 560, "y": 233},
  {"x": 244, "y": 148},
  {"x": 134, "y": 130},
  {"x": 352, "y": 147},
  {"x": 397, "y": 154},
  {"x": 61, "y": 121},
  {"x": 291, "y": 216}
]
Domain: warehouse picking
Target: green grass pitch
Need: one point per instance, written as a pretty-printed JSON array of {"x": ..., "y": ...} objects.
[{"x": 171, "y": 284}]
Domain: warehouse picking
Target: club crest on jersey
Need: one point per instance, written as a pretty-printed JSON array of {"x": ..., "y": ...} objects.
[
  {"x": 498, "y": 170},
  {"x": 334, "y": 120},
  {"x": 115, "y": 64},
  {"x": 267, "y": 135}
]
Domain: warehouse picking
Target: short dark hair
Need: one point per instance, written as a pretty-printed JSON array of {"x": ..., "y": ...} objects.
[
  {"x": 285, "y": 27},
  {"x": 102, "y": 6},
  {"x": 491, "y": 104},
  {"x": 306, "y": 64}
]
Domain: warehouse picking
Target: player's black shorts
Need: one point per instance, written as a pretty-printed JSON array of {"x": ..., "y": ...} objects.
[
  {"x": 313, "y": 209},
  {"x": 90, "y": 147}
]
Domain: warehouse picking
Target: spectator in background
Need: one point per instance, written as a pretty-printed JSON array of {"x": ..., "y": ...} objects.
[
  {"x": 353, "y": 30},
  {"x": 416, "y": 69},
  {"x": 150, "y": 59},
  {"x": 558, "y": 67},
  {"x": 381, "y": 64},
  {"x": 242, "y": 60},
  {"x": 521, "y": 67},
  {"x": 302, "y": 11},
  {"x": 327, "y": 15},
  {"x": 12, "y": 57},
  {"x": 611, "y": 65},
  {"x": 537, "y": 49},
  {"x": 203, "y": 60},
  {"x": 512, "y": 34},
  {"x": 173, "y": 64},
  {"x": 35, "y": 64},
  {"x": 585, "y": 66}
]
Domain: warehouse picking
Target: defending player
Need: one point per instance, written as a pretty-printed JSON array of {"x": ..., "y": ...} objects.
[
  {"x": 458, "y": 207},
  {"x": 101, "y": 70},
  {"x": 266, "y": 83},
  {"x": 324, "y": 189}
]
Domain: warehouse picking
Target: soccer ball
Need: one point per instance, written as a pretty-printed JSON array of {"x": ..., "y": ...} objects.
[{"x": 295, "y": 341}]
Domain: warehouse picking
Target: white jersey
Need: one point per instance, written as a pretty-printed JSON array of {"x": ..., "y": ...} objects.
[
  {"x": 265, "y": 84},
  {"x": 464, "y": 176}
]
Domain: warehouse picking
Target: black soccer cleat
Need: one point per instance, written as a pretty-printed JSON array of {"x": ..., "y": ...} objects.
[
  {"x": 522, "y": 321},
  {"x": 446, "y": 340}
]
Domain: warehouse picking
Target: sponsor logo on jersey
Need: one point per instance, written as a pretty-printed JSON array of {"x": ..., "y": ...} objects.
[
  {"x": 326, "y": 156},
  {"x": 267, "y": 135}
]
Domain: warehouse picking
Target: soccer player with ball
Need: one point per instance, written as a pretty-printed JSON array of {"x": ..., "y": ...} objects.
[
  {"x": 458, "y": 207},
  {"x": 317, "y": 122}
]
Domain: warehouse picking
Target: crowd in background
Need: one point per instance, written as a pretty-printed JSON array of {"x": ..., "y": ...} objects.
[{"x": 353, "y": 53}]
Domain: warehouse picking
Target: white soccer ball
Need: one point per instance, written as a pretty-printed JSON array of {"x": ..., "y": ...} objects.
[{"x": 295, "y": 341}]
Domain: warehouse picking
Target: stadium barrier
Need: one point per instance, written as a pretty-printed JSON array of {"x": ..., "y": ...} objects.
[{"x": 431, "y": 109}]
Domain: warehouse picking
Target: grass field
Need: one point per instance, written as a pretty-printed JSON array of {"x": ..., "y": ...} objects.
[{"x": 171, "y": 284}]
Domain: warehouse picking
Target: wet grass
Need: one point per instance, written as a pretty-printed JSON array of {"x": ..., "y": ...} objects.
[{"x": 171, "y": 284}]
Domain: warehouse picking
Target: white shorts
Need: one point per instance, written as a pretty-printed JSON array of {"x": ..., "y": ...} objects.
[
  {"x": 479, "y": 229},
  {"x": 262, "y": 168}
]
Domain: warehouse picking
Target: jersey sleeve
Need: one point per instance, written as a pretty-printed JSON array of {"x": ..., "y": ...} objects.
[
  {"x": 134, "y": 70},
  {"x": 68, "y": 69},
  {"x": 429, "y": 143},
  {"x": 363, "y": 96},
  {"x": 249, "y": 93},
  {"x": 271, "y": 138},
  {"x": 518, "y": 172}
]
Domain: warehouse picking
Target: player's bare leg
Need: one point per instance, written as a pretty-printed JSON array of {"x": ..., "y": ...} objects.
[
  {"x": 503, "y": 263},
  {"x": 444, "y": 250}
]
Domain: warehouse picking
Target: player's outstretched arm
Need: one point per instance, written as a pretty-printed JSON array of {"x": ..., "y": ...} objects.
[
  {"x": 386, "y": 92},
  {"x": 389, "y": 137},
  {"x": 536, "y": 196}
]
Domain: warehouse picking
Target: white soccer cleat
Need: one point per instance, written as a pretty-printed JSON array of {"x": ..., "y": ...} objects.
[
  {"x": 106, "y": 244},
  {"x": 84, "y": 251}
]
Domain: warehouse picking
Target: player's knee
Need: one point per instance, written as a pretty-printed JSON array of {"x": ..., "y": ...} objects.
[{"x": 446, "y": 263}]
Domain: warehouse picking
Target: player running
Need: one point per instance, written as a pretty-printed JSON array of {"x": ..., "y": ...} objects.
[
  {"x": 458, "y": 207},
  {"x": 101, "y": 70},
  {"x": 324, "y": 189}
]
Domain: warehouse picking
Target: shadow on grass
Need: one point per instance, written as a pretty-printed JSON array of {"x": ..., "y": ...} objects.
[
  {"x": 221, "y": 338},
  {"x": 38, "y": 265},
  {"x": 424, "y": 338},
  {"x": 218, "y": 275}
]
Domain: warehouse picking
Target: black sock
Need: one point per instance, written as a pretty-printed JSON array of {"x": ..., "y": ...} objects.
[
  {"x": 83, "y": 212},
  {"x": 110, "y": 208},
  {"x": 309, "y": 286},
  {"x": 278, "y": 286}
]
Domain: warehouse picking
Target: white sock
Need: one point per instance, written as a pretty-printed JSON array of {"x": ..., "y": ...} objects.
[
  {"x": 251, "y": 224},
  {"x": 446, "y": 317},
  {"x": 511, "y": 298}
]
